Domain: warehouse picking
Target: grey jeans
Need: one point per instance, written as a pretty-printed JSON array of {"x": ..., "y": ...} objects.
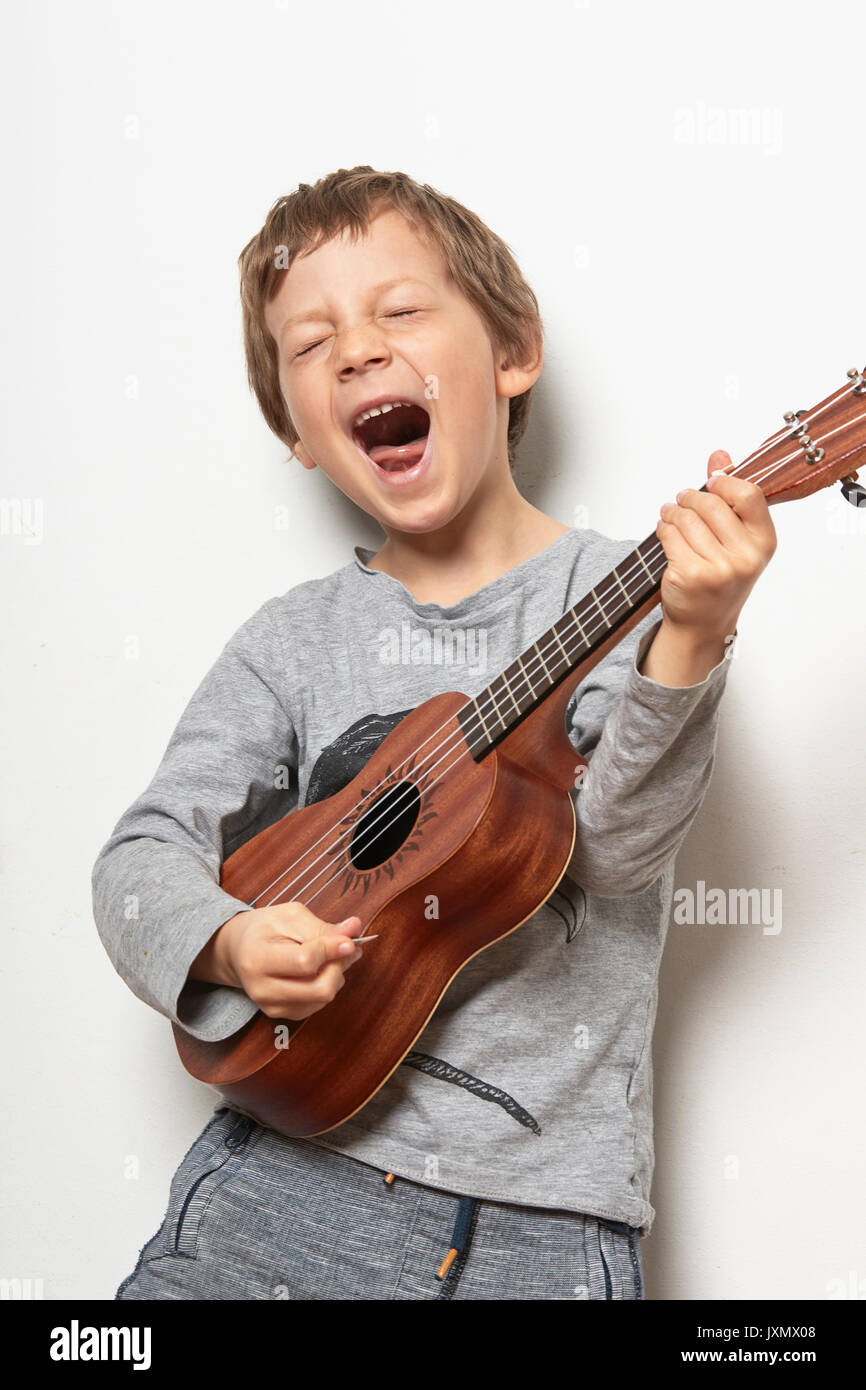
[{"x": 254, "y": 1215}]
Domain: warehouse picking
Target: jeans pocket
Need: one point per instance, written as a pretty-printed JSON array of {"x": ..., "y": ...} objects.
[
  {"x": 620, "y": 1259},
  {"x": 635, "y": 1259},
  {"x": 212, "y": 1161}
]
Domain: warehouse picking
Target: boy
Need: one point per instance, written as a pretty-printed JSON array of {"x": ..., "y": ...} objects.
[{"x": 509, "y": 1156}]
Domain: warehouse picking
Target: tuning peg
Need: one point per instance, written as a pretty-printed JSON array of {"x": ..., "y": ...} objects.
[
  {"x": 792, "y": 417},
  {"x": 860, "y": 383},
  {"x": 853, "y": 492}
]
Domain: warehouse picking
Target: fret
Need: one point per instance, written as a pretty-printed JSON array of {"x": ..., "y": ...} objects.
[
  {"x": 494, "y": 695},
  {"x": 480, "y": 716},
  {"x": 588, "y": 631},
  {"x": 620, "y": 583},
  {"x": 561, "y": 647},
  {"x": 510, "y": 677},
  {"x": 645, "y": 565},
  {"x": 599, "y": 605},
  {"x": 525, "y": 676},
  {"x": 511, "y": 693},
  {"x": 572, "y": 613},
  {"x": 541, "y": 659}
]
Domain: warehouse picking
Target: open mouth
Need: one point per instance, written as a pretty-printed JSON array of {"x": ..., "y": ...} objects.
[{"x": 396, "y": 439}]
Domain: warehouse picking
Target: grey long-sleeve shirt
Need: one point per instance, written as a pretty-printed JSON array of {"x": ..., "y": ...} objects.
[{"x": 532, "y": 1082}]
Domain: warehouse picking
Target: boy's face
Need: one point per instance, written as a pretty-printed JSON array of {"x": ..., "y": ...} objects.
[{"x": 360, "y": 345}]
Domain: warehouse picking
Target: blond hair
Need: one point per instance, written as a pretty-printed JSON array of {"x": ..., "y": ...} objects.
[{"x": 478, "y": 262}]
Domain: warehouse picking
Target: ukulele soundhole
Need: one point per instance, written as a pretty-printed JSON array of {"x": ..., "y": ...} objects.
[{"x": 385, "y": 826}]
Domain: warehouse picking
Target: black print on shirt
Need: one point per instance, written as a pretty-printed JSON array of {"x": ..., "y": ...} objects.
[
  {"x": 343, "y": 759},
  {"x": 443, "y": 1071},
  {"x": 334, "y": 768},
  {"x": 567, "y": 910}
]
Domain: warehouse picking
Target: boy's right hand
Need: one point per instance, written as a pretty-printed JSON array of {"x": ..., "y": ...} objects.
[{"x": 284, "y": 958}]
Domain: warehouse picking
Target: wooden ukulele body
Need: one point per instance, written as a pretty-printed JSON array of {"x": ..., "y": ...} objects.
[{"x": 489, "y": 844}]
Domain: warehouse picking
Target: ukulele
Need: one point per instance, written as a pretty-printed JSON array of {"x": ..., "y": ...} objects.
[{"x": 450, "y": 804}]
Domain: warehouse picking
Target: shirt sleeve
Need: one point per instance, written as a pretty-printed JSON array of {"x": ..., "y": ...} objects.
[
  {"x": 230, "y": 770},
  {"x": 650, "y": 751}
]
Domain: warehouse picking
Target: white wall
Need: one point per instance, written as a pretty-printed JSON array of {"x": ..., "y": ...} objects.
[{"x": 692, "y": 291}]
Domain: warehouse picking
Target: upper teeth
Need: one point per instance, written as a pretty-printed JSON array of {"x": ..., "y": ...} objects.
[{"x": 378, "y": 410}]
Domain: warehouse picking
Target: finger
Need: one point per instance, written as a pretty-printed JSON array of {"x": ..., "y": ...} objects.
[
  {"x": 719, "y": 461},
  {"x": 350, "y": 926},
  {"x": 302, "y": 925},
  {"x": 290, "y": 960},
  {"x": 746, "y": 499},
  {"x": 693, "y": 530},
  {"x": 681, "y": 555},
  {"x": 717, "y": 515},
  {"x": 299, "y": 923},
  {"x": 279, "y": 997}
]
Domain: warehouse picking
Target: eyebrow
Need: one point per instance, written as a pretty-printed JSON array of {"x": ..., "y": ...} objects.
[{"x": 375, "y": 289}]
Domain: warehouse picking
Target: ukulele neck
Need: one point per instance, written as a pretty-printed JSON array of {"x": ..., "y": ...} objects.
[{"x": 497, "y": 709}]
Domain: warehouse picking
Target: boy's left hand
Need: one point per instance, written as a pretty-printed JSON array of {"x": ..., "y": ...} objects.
[{"x": 717, "y": 543}]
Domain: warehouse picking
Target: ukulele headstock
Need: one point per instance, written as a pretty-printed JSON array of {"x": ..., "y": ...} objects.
[{"x": 815, "y": 448}]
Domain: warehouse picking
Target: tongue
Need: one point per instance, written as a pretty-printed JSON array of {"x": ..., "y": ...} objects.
[{"x": 394, "y": 457}]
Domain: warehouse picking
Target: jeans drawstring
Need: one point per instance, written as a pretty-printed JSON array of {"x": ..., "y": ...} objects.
[
  {"x": 460, "y": 1234},
  {"x": 465, "y": 1208}
]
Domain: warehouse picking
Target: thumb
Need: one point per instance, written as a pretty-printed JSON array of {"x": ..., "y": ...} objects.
[
  {"x": 350, "y": 926},
  {"x": 719, "y": 458}
]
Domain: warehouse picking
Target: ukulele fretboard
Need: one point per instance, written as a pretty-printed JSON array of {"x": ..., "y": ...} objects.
[{"x": 500, "y": 706}]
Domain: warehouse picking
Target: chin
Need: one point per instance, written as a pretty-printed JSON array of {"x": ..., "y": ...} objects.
[{"x": 421, "y": 516}]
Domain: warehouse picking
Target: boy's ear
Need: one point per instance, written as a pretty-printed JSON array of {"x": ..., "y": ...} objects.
[
  {"x": 513, "y": 380},
  {"x": 303, "y": 457}
]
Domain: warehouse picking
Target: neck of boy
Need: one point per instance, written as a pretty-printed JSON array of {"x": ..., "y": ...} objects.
[{"x": 447, "y": 565}]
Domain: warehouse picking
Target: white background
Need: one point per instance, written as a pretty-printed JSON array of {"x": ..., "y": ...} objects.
[{"x": 693, "y": 284}]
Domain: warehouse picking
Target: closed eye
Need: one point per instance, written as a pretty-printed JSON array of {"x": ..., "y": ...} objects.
[{"x": 399, "y": 313}]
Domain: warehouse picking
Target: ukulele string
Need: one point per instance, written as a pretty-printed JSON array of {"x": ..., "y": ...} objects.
[{"x": 734, "y": 471}]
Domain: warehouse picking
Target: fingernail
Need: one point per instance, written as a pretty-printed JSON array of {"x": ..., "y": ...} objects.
[{"x": 346, "y": 949}]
